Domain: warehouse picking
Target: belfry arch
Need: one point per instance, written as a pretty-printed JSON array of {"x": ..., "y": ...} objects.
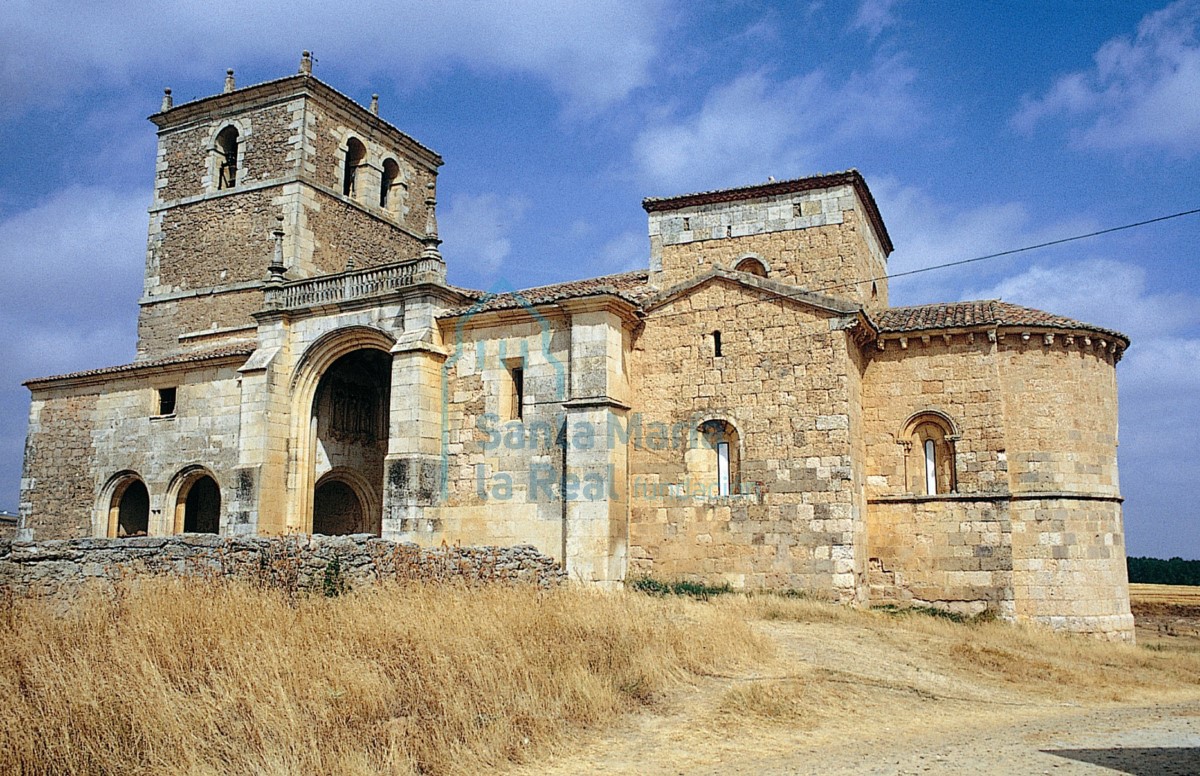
[{"x": 341, "y": 396}]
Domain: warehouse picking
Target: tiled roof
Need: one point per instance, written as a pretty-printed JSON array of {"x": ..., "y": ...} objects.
[
  {"x": 986, "y": 312},
  {"x": 630, "y": 286},
  {"x": 226, "y": 351}
]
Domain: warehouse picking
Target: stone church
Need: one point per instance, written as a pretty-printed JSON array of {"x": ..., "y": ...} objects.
[{"x": 746, "y": 410}]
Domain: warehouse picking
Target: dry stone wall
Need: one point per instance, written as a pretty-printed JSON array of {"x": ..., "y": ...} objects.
[{"x": 62, "y": 568}]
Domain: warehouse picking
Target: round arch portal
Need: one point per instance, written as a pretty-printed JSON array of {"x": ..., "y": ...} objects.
[{"x": 323, "y": 425}]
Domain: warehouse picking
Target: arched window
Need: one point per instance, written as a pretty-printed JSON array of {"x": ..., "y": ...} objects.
[
  {"x": 391, "y": 175},
  {"x": 752, "y": 266},
  {"x": 227, "y": 157},
  {"x": 713, "y": 460},
  {"x": 929, "y": 440},
  {"x": 356, "y": 153}
]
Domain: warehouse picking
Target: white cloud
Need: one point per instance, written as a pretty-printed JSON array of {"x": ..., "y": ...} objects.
[
  {"x": 624, "y": 253},
  {"x": 70, "y": 274},
  {"x": 1104, "y": 292},
  {"x": 1142, "y": 91},
  {"x": 874, "y": 16},
  {"x": 477, "y": 230},
  {"x": 754, "y": 127},
  {"x": 590, "y": 53},
  {"x": 928, "y": 232}
]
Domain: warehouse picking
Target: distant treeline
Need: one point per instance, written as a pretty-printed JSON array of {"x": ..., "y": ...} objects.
[{"x": 1156, "y": 571}]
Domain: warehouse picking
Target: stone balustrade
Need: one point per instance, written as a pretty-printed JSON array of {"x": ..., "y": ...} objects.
[{"x": 354, "y": 284}]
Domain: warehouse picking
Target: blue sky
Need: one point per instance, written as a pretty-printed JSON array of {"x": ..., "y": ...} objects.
[{"x": 979, "y": 126}]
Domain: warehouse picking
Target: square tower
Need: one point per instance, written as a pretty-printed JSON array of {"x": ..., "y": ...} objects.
[{"x": 351, "y": 189}]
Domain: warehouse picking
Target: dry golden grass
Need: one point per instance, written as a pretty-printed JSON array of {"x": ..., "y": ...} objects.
[
  {"x": 207, "y": 678},
  {"x": 1176, "y": 595},
  {"x": 197, "y": 677}
]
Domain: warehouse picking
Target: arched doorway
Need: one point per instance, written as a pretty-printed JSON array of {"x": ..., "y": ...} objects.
[
  {"x": 350, "y": 430},
  {"x": 198, "y": 506},
  {"x": 130, "y": 512}
]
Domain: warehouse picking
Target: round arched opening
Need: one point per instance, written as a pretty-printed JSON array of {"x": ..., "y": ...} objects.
[
  {"x": 132, "y": 502},
  {"x": 227, "y": 157},
  {"x": 391, "y": 174},
  {"x": 356, "y": 154},
  {"x": 202, "y": 506},
  {"x": 752, "y": 266},
  {"x": 338, "y": 510}
]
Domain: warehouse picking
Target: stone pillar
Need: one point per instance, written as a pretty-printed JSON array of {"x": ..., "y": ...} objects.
[
  {"x": 595, "y": 476},
  {"x": 413, "y": 466},
  {"x": 258, "y": 503}
]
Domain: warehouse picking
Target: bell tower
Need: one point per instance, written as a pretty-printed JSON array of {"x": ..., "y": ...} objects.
[{"x": 352, "y": 190}]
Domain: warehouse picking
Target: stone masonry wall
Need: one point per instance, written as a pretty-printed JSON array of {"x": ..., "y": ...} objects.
[
  {"x": 493, "y": 458},
  {"x": 57, "y": 493},
  {"x": 783, "y": 382},
  {"x": 328, "y": 132},
  {"x": 218, "y": 241},
  {"x": 958, "y": 378},
  {"x": 340, "y": 230},
  {"x": 60, "y": 569},
  {"x": 814, "y": 240},
  {"x": 161, "y": 324},
  {"x": 1061, "y": 406},
  {"x": 1069, "y": 568},
  {"x": 951, "y": 555},
  {"x": 79, "y": 441}
]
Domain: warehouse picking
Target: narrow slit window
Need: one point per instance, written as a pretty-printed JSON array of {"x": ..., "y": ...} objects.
[
  {"x": 518, "y": 392},
  {"x": 722, "y": 468},
  {"x": 930, "y": 467},
  {"x": 716, "y": 336},
  {"x": 166, "y": 401}
]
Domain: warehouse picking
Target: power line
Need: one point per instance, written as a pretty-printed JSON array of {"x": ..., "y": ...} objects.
[
  {"x": 1012, "y": 251},
  {"x": 961, "y": 262}
]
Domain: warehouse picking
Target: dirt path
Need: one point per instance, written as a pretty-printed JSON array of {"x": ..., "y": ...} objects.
[{"x": 834, "y": 700}]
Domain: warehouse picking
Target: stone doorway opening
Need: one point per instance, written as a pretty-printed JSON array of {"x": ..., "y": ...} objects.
[
  {"x": 350, "y": 424},
  {"x": 200, "y": 502},
  {"x": 131, "y": 510}
]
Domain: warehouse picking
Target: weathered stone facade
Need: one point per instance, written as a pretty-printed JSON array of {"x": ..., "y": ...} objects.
[{"x": 749, "y": 410}]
